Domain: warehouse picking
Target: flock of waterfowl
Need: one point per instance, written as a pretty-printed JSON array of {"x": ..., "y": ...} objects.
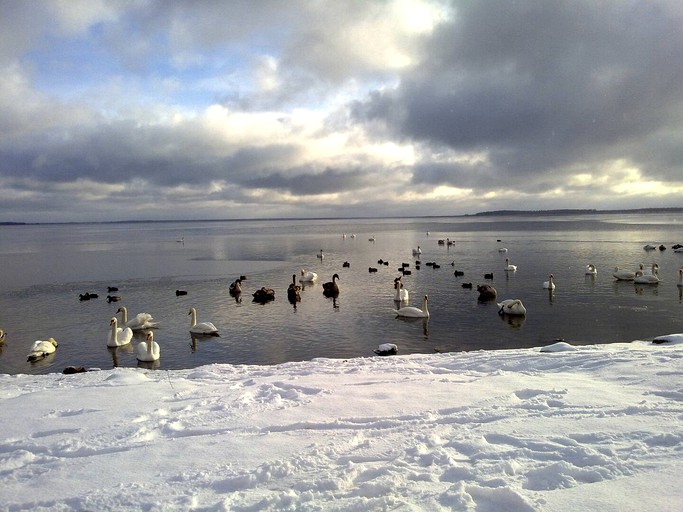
[{"x": 121, "y": 333}]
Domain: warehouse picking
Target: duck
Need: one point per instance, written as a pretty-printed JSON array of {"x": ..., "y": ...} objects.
[
  {"x": 643, "y": 278},
  {"x": 117, "y": 335},
  {"x": 549, "y": 284},
  {"x": 486, "y": 292},
  {"x": 235, "y": 287},
  {"x": 591, "y": 270},
  {"x": 331, "y": 288},
  {"x": 414, "y": 312},
  {"x": 401, "y": 294},
  {"x": 371, "y": 239},
  {"x": 41, "y": 348},
  {"x": 511, "y": 307},
  {"x": 509, "y": 267},
  {"x": 649, "y": 247},
  {"x": 307, "y": 276},
  {"x": 263, "y": 295},
  {"x": 148, "y": 351},
  {"x": 294, "y": 291},
  {"x": 113, "y": 298},
  {"x": 138, "y": 322},
  {"x": 206, "y": 328},
  {"x": 178, "y": 293},
  {"x": 112, "y": 289},
  {"x": 386, "y": 349},
  {"x": 623, "y": 275}
]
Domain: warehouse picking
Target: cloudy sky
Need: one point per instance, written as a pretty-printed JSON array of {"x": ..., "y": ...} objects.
[{"x": 150, "y": 109}]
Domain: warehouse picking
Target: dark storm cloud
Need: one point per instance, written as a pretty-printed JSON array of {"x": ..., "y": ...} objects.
[{"x": 540, "y": 85}]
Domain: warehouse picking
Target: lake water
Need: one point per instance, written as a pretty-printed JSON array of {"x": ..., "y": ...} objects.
[{"x": 46, "y": 267}]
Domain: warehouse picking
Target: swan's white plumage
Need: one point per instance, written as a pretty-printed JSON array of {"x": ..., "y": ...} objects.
[
  {"x": 642, "y": 278},
  {"x": 138, "y": 322},
  {"x": 413, "y": 312},
  {"x": 591, "y": 270},
  {"x": 509, "y": 267},
  {"x": 401, "y": 294},
  {"x": 511, "y": 307},
  {"x": 623, "y": 275},
  {"x": 117, "y": 335},
  {"x": 307, "y": 276},
  {"x": 550, "y": 283},
  {"x": 148, "y": 351},
  {"x": 201, "y": 327},
  {"x": 42, "y": 348}
]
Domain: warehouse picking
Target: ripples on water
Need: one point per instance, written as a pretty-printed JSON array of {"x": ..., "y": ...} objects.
[{"x": 46, "y": 267}]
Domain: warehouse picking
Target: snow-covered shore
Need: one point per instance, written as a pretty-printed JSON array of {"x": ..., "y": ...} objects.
[{"x": 595, "y": 428}]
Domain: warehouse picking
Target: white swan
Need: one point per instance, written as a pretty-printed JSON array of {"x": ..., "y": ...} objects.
[
  {"x": 118, "y": 336},
  {"x": 641, "y": 278},
  {"x": 307, "y": 276},
  {"x": 508, "y": 266},
  {"x": 511, "y": 307},
  {"x": 680, "y": 278},
  {"x": 2, "y": 336},
  {"x": 623, "y": 275},
  {"x": 201, "y": 327},
  {"x": 549, "y": 284},
  {"x": 417, "y": 251},
  {"x": 148, "y": 351},
  {"x": 502, "y": 249},
  {"x": 321, "y": 255},
  {"x": 591, "y": 270},
  {"x": 402, "y": 294},
  {"x": 413, "y": 312},
  {"x": 41, "y": 349},
  {"x": 138, "y": 322}
]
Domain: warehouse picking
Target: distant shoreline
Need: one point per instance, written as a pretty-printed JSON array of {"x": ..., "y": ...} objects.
[{"x": 491, "y": 213}]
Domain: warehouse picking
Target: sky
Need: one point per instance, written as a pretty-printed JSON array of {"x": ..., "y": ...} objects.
[
  {"x": 545, "y": 429},
  {"x": 169, "y": 110}
]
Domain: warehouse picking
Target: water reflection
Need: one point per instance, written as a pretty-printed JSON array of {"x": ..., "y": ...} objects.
[
  {"x": 514, "y": 321},
  {"x": 115, "y": 351},
  {"x": 149, "y": 365}
]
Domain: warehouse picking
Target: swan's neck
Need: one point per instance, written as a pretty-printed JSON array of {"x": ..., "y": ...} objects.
[
  {"x": 124, "y": 315},
  {"x": 193, "y": 316}
]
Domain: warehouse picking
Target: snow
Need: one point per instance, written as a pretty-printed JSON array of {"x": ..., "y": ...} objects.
[{"x": 594, "y": 428}]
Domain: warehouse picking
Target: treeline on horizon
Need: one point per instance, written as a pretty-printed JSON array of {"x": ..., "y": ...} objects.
[{"x": 565, "y": 211}]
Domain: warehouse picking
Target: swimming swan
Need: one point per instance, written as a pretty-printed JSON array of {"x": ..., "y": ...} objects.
[
  {"x": 118, "y": 336},
  {"x": 2, "y": 336},
  {"x": 148, "y": 351},
  {"x": 235, "y": 287},
  {"x": 549, "y": 284},
  {"x": 137, "y": 323},
  {"x": 413, "y": 312},
  {"x": 623, "y": 275},
  {"x": 591, "y": 270},
  {"x": 294, "y": 291},
  {"x": 509, "y": 267},
  {"x": 511, "y": 307},
  {"x": 206, "y": 328},
  {"x": 41, "y": 349},
  {"x": 642, "y": 278},
  {"x": 402, "y": 294},
  {"x": 331, "y": 288},
  {"x": 307, "y": 276}
]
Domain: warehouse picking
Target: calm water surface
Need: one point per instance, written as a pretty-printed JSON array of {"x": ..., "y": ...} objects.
[{"x": 46, "y": 267}]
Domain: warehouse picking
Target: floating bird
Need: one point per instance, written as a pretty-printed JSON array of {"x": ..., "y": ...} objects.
[
  {"x": 113, "y": 298},
  {"x": 178, "y": 293},
  {"x": 509, "y": 267},
  {"x": 591, "y": 270},
  {"x": 386, "y": 349},
  {"x": 321, "y": 255},
  {"x": 467, "y": 285},
  {"x": 488, "y": 276},
  {"x": 148, "y": 351},
  {"x": 138, "y": 322},
  {"x": 112, "y": 289},
  {"x": 87, "y": 296},
  {"x": 401, "y": 294},
  {"x": 331, "y": 288},
  {"x": 413, "y": 312},
  {"x": 417, "y": 251},
  {"x": 294, "y": 291},
  {"x": 549, "y": 284},
  {"x": 502, "y": 249},
  {"x": 623, "y": 275},
  {"x": 372, "y": 238},
  {"x": 307, "y": 276},
  {"x": 649, "y": 247},
  {"x": 346, "y": 264},
  {"x": 205, "y": 328},
  {"x": 263, "y": 295},
  {"x": 41, "y": 348},
  {"x": 372, "y": 269},
  {"x": 642, "y": 278},
  {"x": 511, "y": 307},
  {"x": 486, "y": 292},
  {"x": 458, "y": 273},
  {"x": 117, "y": 335},
  {"x": 2, "y": 336},
  {"x": 680, "y": 279}
]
